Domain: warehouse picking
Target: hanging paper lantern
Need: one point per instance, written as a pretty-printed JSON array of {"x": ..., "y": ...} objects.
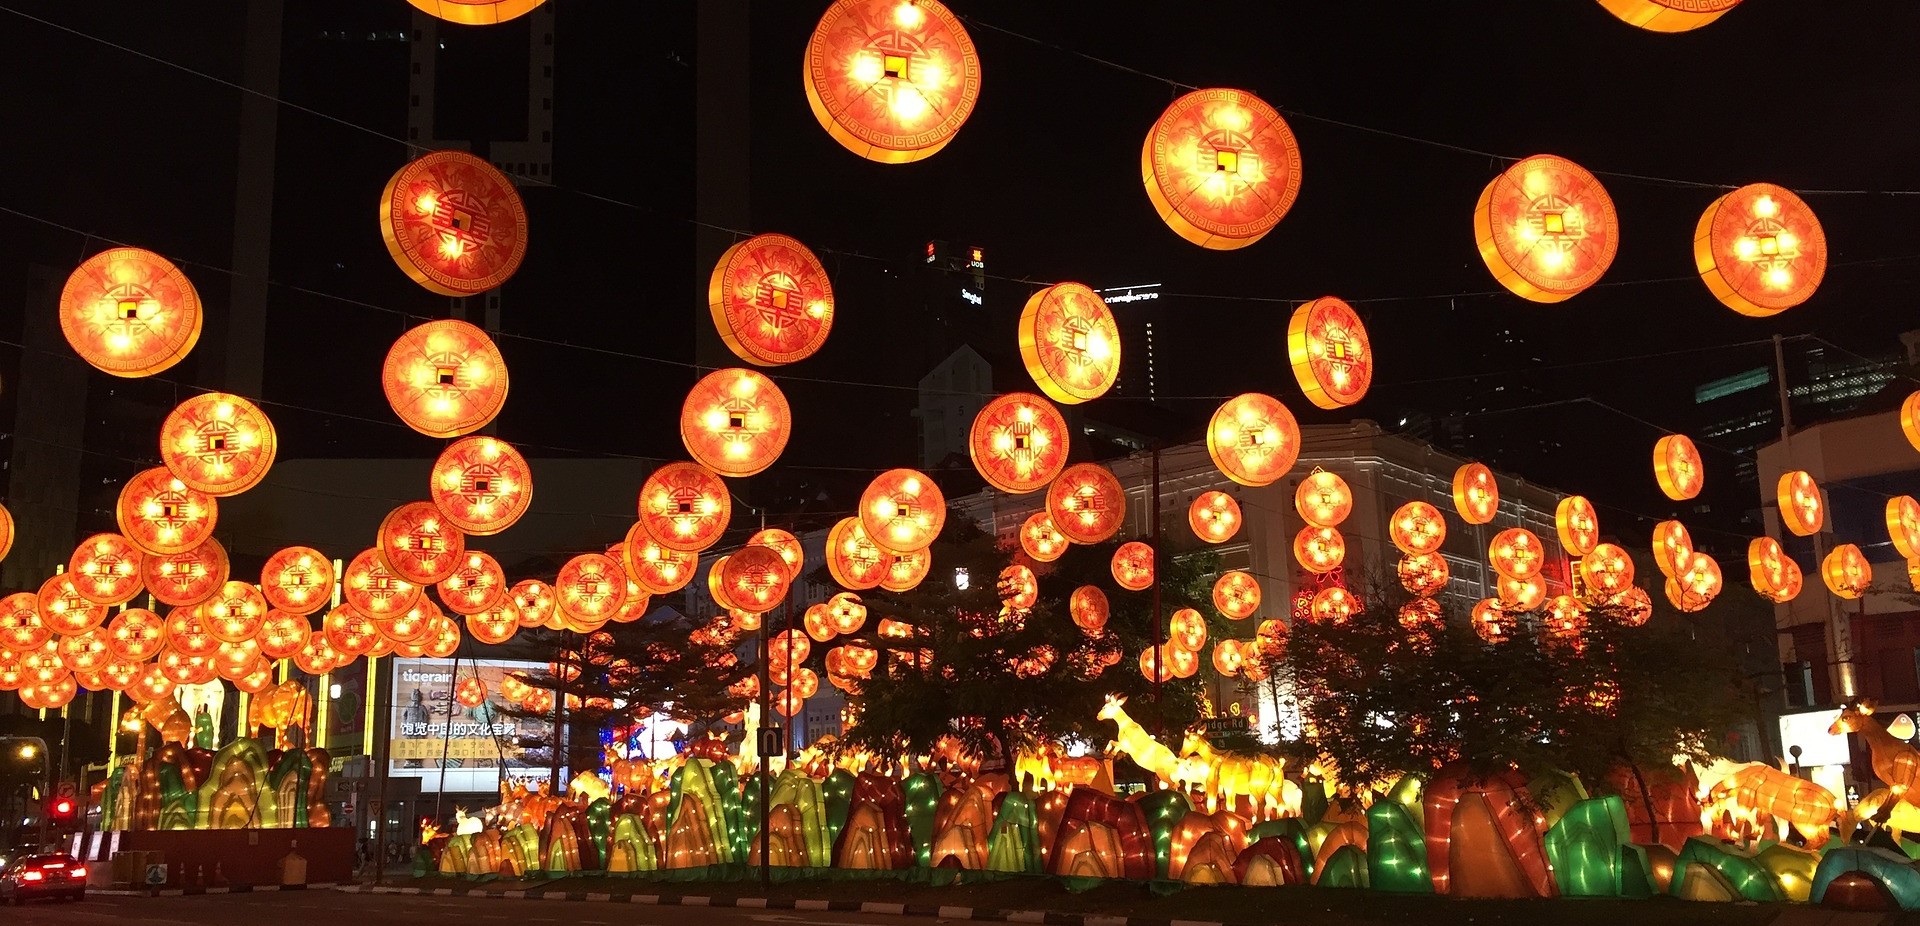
[
  {"x": 1631, "y": 608},
  {"x": 476, "y": 12},
  {"x": 65, "y": 610},
  {"x": 903, "y": 510},
  {"x": 134, "y": 635},
  {"x": 1698, "y": 584},
  {"x": 1607, "y": 571},
  {"x": 1760, "y": 250},
  {"x": 1846, "y": 571},
  {"x": 1018, "y": 442},
  {"x": 1187, "y": 630},
  {"x": 350, "y": 633},
  {"x": 1214, "y": 517},
  {"x": 1521, "y": 595},
  {"x": 590, "y": 587},
  {"x": 1155, "y": 663},
  {"x": 1903, "y": 525},
  {"x": 1331, "y": 356},
  {"x": 189, "y": 634},
  {"x": 1253, "y": 439},
  {"x": 218, "y": 443},
  {"x": 161, "y": 514},
  {"x": 1236, "y": 594},
  {"x": 658, "y": 570},
  {"x": 236, "y": 613},
  {"x": 771, "y": 300},
  {"x": 853, "y": 559},
  {"x": 130, "y": 312},
  {"x": 297, "y": 580},
  {"x": 1040, "y": 539},
  {"x": 150, "y": 685},
  {"x": 42, "y": 664},
  {"x": 475, "y": 585},
  {"x": 1669, "y": 15},
  {"x": 891, "y": 80},
  {"x": 735, "y": 422},
  {"x": 494, "y": 625},
  {"x": 235, "y": 661},
  {"x": 1909, "y": 425},
  {"x": 1417, "y": 528},
  {"x": 375, "y": 590},
  {"x": 318, "y": 656},
  {"x": 1424, "y": 575},
  {"x": 481, "y": 484},
  {"x": 783, "y": 543},
  {"x": 1089, "y": 609},
  {"x": 533, "y": 602},
  {"x": 85, "y": 652},
  {"x": 105, "y": 569},
  {"x": 1774, "y": 575},
  {"x": 1421, "y": 615},
  {"x": 283, "y": 634},
  {"x": 1564, "y": 618},
  {"x": 1319, "y": 550},
  {"x": 443, "y": 638},
  {"x": 445, "y": 378},
  {"x": 186, "y": 578},
  {"x": 755, "y": 578},
  {"x": 1517, "y": 553},
  {"x": 21, "y": 626},
  {"x": 1323, "y": 499},
  {"x": 1332, "y": 605},
  {"x": 685, "y": 507},
  {"x": 1578, "y": 525},
  {"x": 905, "y": 571},
  {"x": 120, "y": 675},
  {"x": 1221, "y": 167},
  {"x": 845, "y": 613},
  {"x": 1228, "y": 658},
  {"x": 1678, "y": 467},
  {"x": 1802, "y": 508},
  {"x": 1546, "y": 228},
  {"x": 1672, "y": 547},
  {"x": 1017, "y": 587},
  {"x": 419, "y": 545},
  {"x": 1491, "y": 623},
  {"x": 6, "y": 531},
  {"x": 1476, "y": 495},
  {"x": 1087, "y": 503},
  {"x": 1133, "y": 566},
  {"x": 453, "y": 222},
  {"x": 814, "y": 622},
  {"x": 1070, "y": 343}
]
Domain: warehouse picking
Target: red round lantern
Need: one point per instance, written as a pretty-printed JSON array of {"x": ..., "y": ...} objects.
[
  {"x": 297, "y": 580},
  {"x": 1698, "y": 584},
  {"x": 1019, "y": 442},
  {"x": 236, "y": 613},
  {"x": 1156, "y": 663},
  {"x": 85, "y": 652},
  {"x": 905, "y": 571},
  {"x": 1133, "y": 566},
  {"x": 1070, "y": 343},
  {"x": 235, "y": 661},
  {"x": 1577, "y": 524},
  {"x": 1517, "y": 553},
  {"x": 1319, "y": 550},
  {"x": 130, "y": 312},
  {"x": 152, "y": 684},
  {"x": 1760, "y": 250},
  {"x": 1802, "y": 509},
  {"x": 1476, "y": 495},
  {"x": 21, "y": 626},
  {"x": 318, "y": 656},
  {"x": 1089, "y": 609},
  {"x": 1418, "y": 528},
  {"x": 1041, "y": 539},
  {"x": 1491, "y": 622},
  {"x": 1236, "y": 594},
  {"x": 1521, "y": 595},
  {"x": 1631, "y": 608},
  {"x": 443, "y": 639},
  {"x": 495, "y": 625},
  {"x": 1087, "y": 503},
  {"x": 471, "y": 692},
  {"x": 375, "y": 590},
  {"x": 1672, "y": 547},
  {"x": 283, "y": 634},
  {"x": 411, "y": 627},
  {"x": 853, "y": 559},
  {"x": 1669, "y": 15},
  {"x": 1678, "y": 468},
  {"x": 476, "y": 12},
  {"x": 419, "y": 545},
  {"x": 1546, "y": 228},
  {"x": 1846, "y": 571},
  {"x": 735, "y": 422},
  {"x": 1214, "y": 517},
  {"x": 189, "y": 634},
  {"x": 105, "y": 569},
  {"x": 1017, "y": 587},
  {"x": 65, "y": 610},
  {"x": 685, "y": 507},
  {"x": 186, "y": 578},
  {"x": 1774, "y": 575},
  {"x": 453, "y": 222},
  {"x": 533, "y": 602},
  {"x": 6, "y": 531},
  {"x": 891, "y": 80},
  {"x": 475, "y": 585},
  {"x": 1323, "y": 499},
  {"x": 134, "y": 635},
  {"x": 1909, "y": 425},
  {"x": 1903, "y": 525},
  {"x": 1421, "y": 615},
  {"x": 218, "y": 443},
  {"x": 350, "y": 633},
  {"x": 756, "y": 578},
  {"x": 658, "y": 570},
  {"x": 771, "y": 300},
  {"x": 482, "y": 484},
  {"x": 1608, "y": 571},
  {"x": 1332, "y": 605},
  {"x": 1187, "y": 630},
  {"x": 1424, "y": 574},
  {"x": 903, "y": 510},
  {"x": 1221, "y": 167},
  {"x": 1228, "y": 658},
  {"x": 1331, "y": 356},
  {"x": 445, "y": 378},
  {"x": 590, "y": 587},
  {"x": 783, "y": 543},
  {"x": 162, "y": 514},
  {"x": 1253, "y": 439}
]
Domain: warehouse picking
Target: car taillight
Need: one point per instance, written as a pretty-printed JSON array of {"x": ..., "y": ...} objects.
[
  {"x": 54, "y": 865},
  {"x": 78, "y": 872},
  {"x": 31, "y": 876}
]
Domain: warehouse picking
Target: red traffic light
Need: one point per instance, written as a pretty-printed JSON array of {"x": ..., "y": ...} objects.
[{"x": 61, "y": 809}]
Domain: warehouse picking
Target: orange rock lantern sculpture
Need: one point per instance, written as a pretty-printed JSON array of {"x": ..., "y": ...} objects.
[
  {"x": 684, "y": 507},
  {"x": 1253, "y": 439},
  {"x": 1631, "y": 608},
  {"x": 1323, "y": 499},
  {"x": 1040, "y": 539},
  {"x": 1236, "y": 594},
  {"x": 1418, "y": 528},
  {"x": 297, "y": 580},
  {"x": 1669, "y": 15},
  {"x": 218, "y": 443},
  {"x": 1089, "y": 609},
  {"x": 1845, "y": 570},
  {"x": 1019, "y": 442},
  {"x": 454, "y": 223},
  {"x": 1760, "y": 249},
  {"x": 1214, "y": 517},
  {"x": 853, "y": 558},
  {"x": 735, "y": 422},
  {"x": 186, "y": 578},
  {"x": 771, "y": 300},
  {"x": 1546, "y": 228},
  {"x": 188, "y": 633},
  {"x": 1070, "y": 343},
  {"x": 1696, "y": 586},
  {"x": 476, "y": 12},
  {"x": 1476, "y": 496},
  {"x": 130, "y": 312},
  {"x": 1517, "y": 553},
  {"x": 1678, "y": 467},
  {"x": 445, "y": 378},
  {"x": 1087, "y": 503},
  {"x": 105, "y": 569},
  {"x": 374, "y": 590},
  {"x": 482, "y": 484},
  {"x": 162, "y": 514},
  {"x": 1331, "y": 356},
  {"x": 419, "y": 545},
  {"x": 21, "y": 627},
  {"x": 1802, "y": 508},
  {"x": 1319, "y": 550},
  {"x": 891, "y": 80},
  {"x": 1221, "y": 167},
  {"x": 1133, "y": 566},
  {"x": 1577, "y": 524},
  {"x": 903, "y": 510},
  {"x": 1491, "y": 622}
]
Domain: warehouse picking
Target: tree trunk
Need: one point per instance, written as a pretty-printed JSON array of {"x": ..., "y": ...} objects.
[{"x": 1646, "y": 794}]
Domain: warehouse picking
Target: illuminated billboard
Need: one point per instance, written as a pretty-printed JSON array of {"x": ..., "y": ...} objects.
[{"x": 455, "y": 748}]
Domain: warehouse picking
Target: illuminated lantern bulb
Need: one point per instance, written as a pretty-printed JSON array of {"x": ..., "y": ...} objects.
[
  {"x": 755, "y": 578},
  {"x": 1040, "y": 539},
  {"x": 1775, "y": 576},
  {"x": 891, "y": 80},
  {"x": 453, "y": 222},
  {"x": 218, "y": 443},
  {"x": 65, "y": 610},
  {"x": 1018, "y": 442},
  {"x": 1319, "y": 550},
  {"x": 590, "y": 587},
  {"x": 1187, "y": 630},
  {"x": 532, "y": 601},
  {"x": 1236, "y": 594},
  {"x": 318, "y": 656},
  {"x": 1760, "y": 250},
  {"x": 805, "y": 683},
  {"x": 1424, "y": 575},
  {"x": 788, "y": 648},
  {"x": 476, "y": 12},
  {"x": 783, "y": 543},
  {"x": 771, "y": 300},
  {"x": 186, "y": 578},
  {"x": 481, "y": 484},
  {"x": 1678, "y": 468},
  {"x": 445, "y": 378},
  {"x": 189, "y": 634},
  {"x": 1672, "y": 547},
  {"x": 684, "y": 507},
  {"x": 1331, "y": 356},
  {"x": 1909, "y": 425},
  {"x": 1221, "y": 168},
  {"x": 1156, "y": 663},
  {"x": 85, "y": 652},
  {"x": 1802, "y": 506},
  {"x": 1607, "y": 571},
  {"x": 297, "y": 580},
  {"x": 814, "y": 622},
  {"x": 121, "y": 675},
  {"x": 845, "y": 613},
  {"x": 494, "y": 625},
  {"x": 105, "y": 569},
  {"x": 1421, "y": 615},
  {"x": 43, "y": 663},
  {"x": 134, "y": 635},
  {"x": 735, "y": 422},
  {"x": 235, "y": 661},
  {"x": 1070, "y": 343},
  {"x": 853, "y": 559},
  {"x": 658, "y": 570},
  {"x": 788, "y": 703},
  {"x": 1517, "y": 553},
  {"x": 6, "y": 531},
  {"x": 1846, "y": 571},
  {"x": 130, "y": 312},
  {"x": 475, "y": 585},
  {"x": 419, "y": 545},
  {"x": 1579, "y": 527},
  {"x": 283, "y": 634},
  {"x": 236, "y": 614},
  {"x": 1332, "y": 605},
  {"x": 905, "y": 571},
  {"x": 1476, "y": 494},
  {"x": 163, "y": 515},
  {"x": 1417, "y": 528},
  {"x": 1490, "y": 622},
  {"x": 744, "y": 621},
  {"x": 1133, "y": 566},
  {"x": 57, "y": 693},
  {"x": 1214, "y": 517},
  {"x": 1669, "y": 15},
  {"x": 1089, "y": 609},
  {"x": 903, "y": 510},
  {"x": 1017, "y": 587},
  {"x": 1087, "y": 503},
  {"x": 375, "y": 590},
  {"x": 1546, "y": 228},
  {"x": 1323, "y": 499},
  {"x": 411, "y": 627},
  {"x": 1521, "y": 595},
  {"x": 1253, "y": 439}
]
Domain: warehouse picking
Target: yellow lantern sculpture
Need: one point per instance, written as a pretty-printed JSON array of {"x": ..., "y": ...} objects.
[
  {"x": 65, "y": 610},
  {"x": 771, "y": 300},
  {"x": 1669, "y": 15},
  {"x": 1018, "y": 442},
  {"x": 445, "y": 378},
  {"x": 130, "y": 312},
  {"x": 735, "y": 422},
  {"x": 1775, "y": 576},
  {"x": 1845, "y": 570},
  {"x": 1578, "y": 525},
  {"x": 1546, "y": 228},
  {"x": 591, "y": 588},
  {"x": 1424, "y": 575},
  {"x": 419, "y": 545},
  {"x": 1802, "y": 509},
  {"x": 1041, "y": 540},
  {"x": 1253, "y": 439},
  {"x": 218, "y": 443},
  {"x": 1221, "y": 167},
  {"x": 1133, "y": 566},
  {"x": 756, "y": 578},
  {"x": 1607, "y": 571},
  {"x": 476, "y": 12},
  {"x": 105, "y": 569},
  {"x": 375, "y": 590},
  {"x": 1418, "y": 528},
  {"x": 1319, "y": 550},
  {"x": 1087, "y": 503},
  {"x": 1089, "y": 609},
  {"x": 903, "y": 510},
  {"x": 1331, "y": 357},
  {"x": 1677, "y": 467},
  {"x": 163, "y": 515},
  {"x": 1214, "y": 517},
  {"x": 1517, "y": 553},
  {"x": 853, "y": 558},
  {"x": 658, "y": 570},
  {"x": 1760, "y": 250},
  {"x": 186, "y": 578},
  {"x": 685, "y": 507},
  {"x": 297, "y": 580},
  {"x": 1903, "y": 525},
  {"x": 891, "y": 80},
  {"x": 454, "y": 223},
  {"x": 1476, "y": 494},
  {"x": 482, "y": 484},
  {"x": 1236, "y": 594},
  {"x": 1070, "y": 343}
]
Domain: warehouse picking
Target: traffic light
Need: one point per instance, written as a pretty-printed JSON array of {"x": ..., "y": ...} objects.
[{"x": 62, "y": 810}]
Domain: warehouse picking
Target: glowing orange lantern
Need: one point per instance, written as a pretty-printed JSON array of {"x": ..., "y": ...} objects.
[
  {"x": 161, "y": 514},
  {"x": 1608, "y": 571},
  {"x": 152, "y": 684},
  {"x": 771, "y": 300},
  {"x": 6, "y": 531},
  {"x": 443, "y": 636},
  {"x": 477, "y": 584},
  {"x": 349, "y": 632},
  {"x": 1133, "y": 566},
  {"x": 1517, "y": 553},
  {"x": 65, "y": 610},
  {"x": 1565, "y": 618},
  {"x": 135, "y": 634},
  {"x": 1018, "y": 442},
  {"x": 318, "y": 656},
  {"x": 1802, "y": 509},
  {"x": 413, "y": 627},
  {"x": 845, "y": 613},
  {"x": 375, "y": 590},
  {"x": 1228, "y": 658},
  {"x": 788, "y": 648},
  {"x": 1678, "y": 467},
  {"x": 1070, "y": 343},
  {"x": 1156, "y": 663},
  {"x": 189, "y": 634},
  {"x": 1421, "y": 615},
  {"x": 815, "y": 623},
  {"x": 1040, "y": 539},
  {"x": 1699, "y": 583},
  {"x": 1214, "y": 517},
  {"x": 297, "y": 580},
  {"x": 1017, "y": 587},
  {"x": 853, "y": 559},
  {"x": 1331, "y": 357},
  {"x": 482, "y": 484},
  {"x": 1089, "y": 609},
  {"x": 1846, "y": 571},
  {"x": 1253, "y": 439},
  {"x": 1221, "y": 167},
  {"x": 1319, "y": 550},
  {"x": 1087, "y": 503},
  {"x": 419, "y": 545},
  {"x": 1332, "y": 605},
  {"x": 1236, "y": 594},
  {"x": 1631, "y": 608},
  {"x": 590, "y": 587},
  {"x": 533, "y": 602},
  {"x": 1903, "y": 525},
  {"x": 783, "y": 543},
  {"x": 283, "y": 634},
  {"x": 903, "y": 510},
  {"x": 1578, "y": 525},
  {"x": 1424, "y": 575},
  {"x": 1476, "y": 495},
  {"x": 891, "y": 80},
  {"x": 236, "y": 614},
  {"x": 1546, "y": 228},
  {"x": 658, "y": 570},
  {"x": 1909, "y": 421},
  {"x": 186, "y": 578},
  {"x": 130, "y": 312},
  {"x": 495, "y": 625},
  {"x": 1774, "y": 575},
  {"x": 755, "y": 578},
  {"x": 905, "y": 571},
  {"x": 218, "y": 443},
  {"x": 685, "y": 507},
  {"x": 1521, "y": 595},
  {"x": 21, "y": 626},
  {"x": 1323, "y": 499},
  {"x": 476, "y": 12},
  {"x": 454, "y": 223},
  {"x": 1417, "y": 528},
  {"x": 106, "y": 569},
  {"x": 235, "y": 661},
  {"x": 1492, "y": 624},
  {"x": 735, "y": 422},
  {"x": 85, "y": 652},
  {"x": 1669, "y": 15},
  {"x": 1672, "y": 547},
  {"x": 1760, "y": 249}
]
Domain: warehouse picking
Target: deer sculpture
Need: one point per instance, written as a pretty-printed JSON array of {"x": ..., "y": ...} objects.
[
  {"x": 1895, "y": 763},
  {"x": 1145, "y": 751},
  {"x": 1750, "y": 794}
]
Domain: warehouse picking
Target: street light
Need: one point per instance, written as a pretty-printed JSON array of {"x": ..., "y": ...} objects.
[
  {"x": 33, "y": 747},
  {"x": 28, "y": 750}
]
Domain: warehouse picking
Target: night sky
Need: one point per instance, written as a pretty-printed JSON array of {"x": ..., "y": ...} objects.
[{"x": 1045, "y": 177}]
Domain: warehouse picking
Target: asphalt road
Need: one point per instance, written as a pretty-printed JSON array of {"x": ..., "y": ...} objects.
[{"x": 335, "y": 908}]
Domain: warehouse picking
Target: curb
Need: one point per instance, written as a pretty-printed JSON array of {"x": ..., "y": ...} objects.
[{"x": 229, "y": 889}]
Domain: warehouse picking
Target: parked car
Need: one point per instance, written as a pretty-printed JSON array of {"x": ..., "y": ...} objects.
[{"x": 60, "y": 877}]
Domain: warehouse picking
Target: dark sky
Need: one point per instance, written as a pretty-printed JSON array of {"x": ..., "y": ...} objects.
[{"x": 1045, "y": 177}]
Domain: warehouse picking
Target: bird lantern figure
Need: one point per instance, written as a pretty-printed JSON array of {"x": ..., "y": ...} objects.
[
  {"x": 419, "y": 545},
  {"x": 1607, "y": 571},
  {"x": 1418, "y": 528},
  {"x": 1331, "y": 357},
  {"x": 186, "y": 578},
  {"x": 237, "y": 614},
  {"x": 297, "y": 580},
  {"x": 853, "y": 559},
  {"x": 1018, "y": 442},
  {"x": 1319, "y": 550},
  {"x": 1221, "y": 168},
  {"x": 1089, "y": 609},
  {"x": 130, "y": 312},
  {"x": 1517, "y": 553},
  {"x": 454, "y": 223},
  {"x": 1323, "y": 499},
  {"x": 218, "y": 443},
  {"x": 685, "y": 507},
  {"x": 1672, "y": 547},
  {"x": 1227, "y": 658},
  {"x": 1424, "y": 575},
  {"x": 590, "y": 587},
  {"x": 1677, "y": 467},
  {"x": 1040, "y": 539},
  {"x": 1214, "y": 517},
  {"x": 375, "y": 590},
  {"x": 1332, "y": 605},
  {"x": 658, "y": 570},
  {"x": 494, "y": 625},
  {"x": 1802, "y": 508},
  {"x": 134, "y": 635},
  {"x": 1760, "y": 250},
  {"x": 735, "y": 422},
  {"x": 481, "y": 484},
  {"x": 189, "y": 634},
  {"x": 477, "y": 584},
  {"x": 1521, "y": 595},
  {"x": 905, "y": 571},
  {"x": 1579, "y": 527},
  {"x": 1087, "y": 503},
  {"x": 476, "y": 12},
  {"x": 1903, "y": 525},
  {"x": 1070, "y": 343},
  {"x": 65, "y": 610},
  {"x": 283, "y": 633},
  {"x": 1476, "y": 494},
  {"x": 1491, "y": 623},
  {"x": 891, "y": 80},
  {"x": 756, "y": 578},
  {"x": 1017, "y": 587},
  {"x": 1253, "y": 439},
  {"x": 1546, "y": 228},
  {"x": 105, "y": 569},
  {"x": 1845, "y": 570},
  {"x": 1669, "y": 15},
  {"x": 1775, "y": 576},
  {"x": 771, "y": 300},
  {"x": 1133, "y": 566},
  {"x": 1187, "y": 630},
  {"x": 903, "y": 510},
  {"x": 162, "y": 514},
  {"x": 1236, "y": 594},
  {"x": 445, "y": 378}
]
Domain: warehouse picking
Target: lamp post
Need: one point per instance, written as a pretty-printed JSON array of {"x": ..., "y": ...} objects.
[{"x": 33, "y": 747}]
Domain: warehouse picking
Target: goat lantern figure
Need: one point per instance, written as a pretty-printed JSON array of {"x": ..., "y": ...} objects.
[{"x": 1895, "y": 763}]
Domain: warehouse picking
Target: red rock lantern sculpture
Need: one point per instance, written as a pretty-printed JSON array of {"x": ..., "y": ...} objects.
[
  {"x": 1133, "y": 566},
  {"x": 590, "y": 588},
  {"x": 375, "y": 590},
  {"x": 1845, "y": 570},
  {"x": 445, "y": 378},
  {"x": 1678, "y": 468},
  {"x": 1087, "y": 503},
  {"x": 853, "y": 558},
  {"x": 905, "y": 571},
  {"x": 1517, "y": 553},
  {"x": 1214, "y": 517},
  {"x": 1669, "y": 15},
  {"x": 1253, "y": 439},
  {"x": 1017, "y": 587},
  {"x": 65, "y": 610},
  {"x": 1476, "y": 495},
  {"x": 1802, "y": 507},
  {"x": 130, "y": 312},
  {"x": 1319, "y": 550},
  {"x": 1221, "y": 167},
  {"x": 1578, "y": 525},
  {"x": 684, "y": 507},
  {"x": 1323, "y": 499},
  {"x": 1236, "y": 594},
  {"x": 1546, "y": 228},
  {"x": 482, "y": 484},
  {"x": 476, "y": 12},
  {"x": 903, "y": 510},
  {"x": 454, "y": 223},
  {"x": 1760, "y": 250},
  {"x": 735, "y": 422},
  {"x": 1607, "y": 572},
  {"x": 297, "y": 580},
  {"x": 1418, "y": 528},
  {"x": 186, "y": 578},
  {"x": 218, "y": 443},
  {"x": 1424, "y": 575},
  {"x": 756, "y": 578},
  {"x": 1070, "y": 343},
  {"x": 891, "y": 80},
  {"x": 658, "y": 570},
  {"x": 1331, "y": 356},
  {"x": 1018, "y": 442},
  {"x": 495, "y": 625},
  {"x": 1040, "y": 539},
  {"x": 283, "y": 634},
  {"x": 236, "y": 614},
  {"x": 771, "y": 300},
  {"x": 1332, "y": 605},
  {"x": 1775, "y": 576},
  {"x": 419, "y": 545},
  {"x": 162, "y": 514},
  {"x": 1903, "y": 525},
  {"x": 1089, "y": 609},
  {"x": 105, "y": 569},
  {"x": 134, "y": 635}
]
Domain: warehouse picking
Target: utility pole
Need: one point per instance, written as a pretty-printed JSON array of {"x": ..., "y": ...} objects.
[{"x": 1159, "y": 623}]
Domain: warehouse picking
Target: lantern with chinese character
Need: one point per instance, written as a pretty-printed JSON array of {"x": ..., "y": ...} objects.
[
  {"x": 1018, "y": 442},
  {"x": 1214, "y": 517},
  {"x": 1678, "y": 467},
  {"x": 1040, "y": 539},
  {"x": 1070, "y": 343},
  {"x": 1476, "y": 495},
  {"x": 297, "y": 580},
  {"x": 105, "y": 569},
  {"x": 445, "y": 378},
  {"x": 1608, "y": 571},
  {"x": 590, "y": 587},
  {"x": 1774, "y": 575},
  {"x": 217, "y": 443},
  {"x": 318, "y": 656},
  {"x": 349, "y": 632},
  {"x": 1253, "y": 439},
  {"x": 533, "y": 601},
  {"x": 1089, "y": 609},
  {"x": 375, "y": 590},
  {"x": 1493, "y": 624},
  {"x": 1221, "y": 167},
  {"x": 1087, "y": 503},
  {"x": 659, "y": 571},
  {"x": 1133, "y": 566},
  {"x": 282, "y": 634},
  {"x": 85, "y": 652},
  {"x": 151, "y": 685},
  {"x": 1424, "y": 575},
  {"x": 189, "y": 634},
  {"x": 1319, "y": 550},
  {"x": 845, "y": 613},
  {"x": 21, "y": 626},
  {"x": 1846, "y": 571},
  {"x": 1236, "y": 594},
  {"x": 419, "y": 545},
  {"x": 1672, "y": 547},
  {"x": 1669, "y": 15},
  {"x": 161, "y": 514},
  {"x": 1521, "y": 595},
  {"x": 1577, "y": 524},
  {"x": 482, "y": 485},
  {"x": 1631, "y": 608},
  {"x": 1546, "y": 228},
  {"x": 65, "y": 610},
  {"x": 906, "y": 570},
  {"x": 476, "y": 12},
  {"x": 771, "y": 300},
  {"x": 1331, "y": 357},
  {"x": 135, "y": 635},
  {"x": 1332, "y": 605},
  {"x": 756, "y": 578},
  {"x": 903, "y": 510},
  {"x": 186, "y": 578},
  {"x": 1323, "y": 499},
  {"x": 735, "y": 422},
  {"x": 477, "y": 584},
  {"x": 1418, "y": 528},
  {"x": 236, "y": 613},
  {"x": 130, "y": 312},
  {"x": 494, "y": 625},
  {"x": 891, "y": 80},
  {"x": 1802, "y": 508},
  {"x": 1760, "y": 249},
  {"x": 685, "y": 507},
  {"x": 1187, "y": 630},
  {"x": 454, "y": 223},
  {"x": 1903, "y": 525},
  {"x": 853, "y": 559},
  {"x": 1017, "y": 587},
  {"x": 1516, "y": 553},
  {"x": 783, "y": 543}
]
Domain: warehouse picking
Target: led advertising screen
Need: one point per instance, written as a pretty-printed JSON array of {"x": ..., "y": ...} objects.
[{"x": 470, "y": 749}]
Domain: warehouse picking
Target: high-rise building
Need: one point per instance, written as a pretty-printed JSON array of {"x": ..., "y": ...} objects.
[{"x": 1135, "y": 310}]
